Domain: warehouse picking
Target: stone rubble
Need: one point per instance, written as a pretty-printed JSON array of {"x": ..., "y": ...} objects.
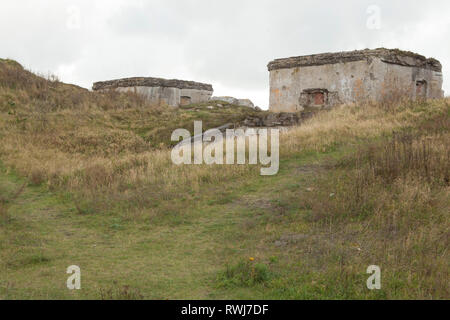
[{"x": 238, "y": 102}]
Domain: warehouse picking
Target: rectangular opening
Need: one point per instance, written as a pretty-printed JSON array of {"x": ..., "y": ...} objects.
[
  {"x": 185, "y": 100},
  {"x": 316, "y": 97},
  {"x": 421, "y": 89},
  {"x": 319, "y": 98}
]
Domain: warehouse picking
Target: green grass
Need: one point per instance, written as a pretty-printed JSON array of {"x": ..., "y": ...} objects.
[
  {"x": 200, "y": 252},
  {"x": 178, "y": 256}
]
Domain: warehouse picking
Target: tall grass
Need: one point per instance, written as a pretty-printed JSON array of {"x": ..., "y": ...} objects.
[
  {"x": 391, "y": 198},
  {"x": 66, "y": 137},
  {"x": 390, "y": 194},
  {"x": 97, "y": 145}
]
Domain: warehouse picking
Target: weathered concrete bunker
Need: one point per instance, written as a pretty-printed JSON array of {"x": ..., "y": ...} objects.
[
  {"x": 328, "y": 79},
  {"x": 159, "y": 91}
]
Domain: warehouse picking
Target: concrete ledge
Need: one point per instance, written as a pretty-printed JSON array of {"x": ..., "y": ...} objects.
[
  {"x": 151, "y": 82},
  {"x": 394, "y": 56}
]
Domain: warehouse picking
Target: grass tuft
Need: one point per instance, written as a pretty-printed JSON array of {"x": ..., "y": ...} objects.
[{"x": 244, "y": 274}]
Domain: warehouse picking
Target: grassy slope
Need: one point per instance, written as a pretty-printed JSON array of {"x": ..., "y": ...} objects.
[{"x": 141, "y": 228}]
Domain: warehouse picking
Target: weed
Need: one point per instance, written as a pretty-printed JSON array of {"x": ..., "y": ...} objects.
[
  {"x": 245, "y": 273},
  {"x": 118, "y": 292}
]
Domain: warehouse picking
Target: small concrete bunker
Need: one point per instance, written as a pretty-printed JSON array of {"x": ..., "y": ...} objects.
[
  {"x": 159, "y": 91},
  {"x": 328, "y": 79}
]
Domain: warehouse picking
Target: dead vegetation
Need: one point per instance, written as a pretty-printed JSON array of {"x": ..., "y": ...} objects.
[
  {"x": 97, "y": 145},
  {"x": 118, "y": 292},
  {"x": 100, "y": 146},
  {"x": 382, "y": 197},
  {"x": 390, "y": 198}
]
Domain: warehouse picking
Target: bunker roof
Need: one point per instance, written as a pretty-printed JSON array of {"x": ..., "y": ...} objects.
[
  {"x": 151, "y": 82},
  {"x": 394, "y": 56}
]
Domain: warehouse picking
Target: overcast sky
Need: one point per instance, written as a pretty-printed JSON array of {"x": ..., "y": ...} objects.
[{"x": 226, "y": 43}]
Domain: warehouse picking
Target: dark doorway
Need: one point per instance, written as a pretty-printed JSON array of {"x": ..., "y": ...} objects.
[
  {"x": 314, "y": 98},
  {"x": 421, "y": 89},
  {"x": 319, "y": 98},
  {"x": 184, "y": 100}
]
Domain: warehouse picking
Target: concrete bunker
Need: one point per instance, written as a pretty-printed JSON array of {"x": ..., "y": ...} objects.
[
  {"x": 160, "y": 91},
  {"x": 329, "y": 79}
]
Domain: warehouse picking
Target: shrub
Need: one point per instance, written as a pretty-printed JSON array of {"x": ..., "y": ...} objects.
[
  {"x": 120, "y": 293},
  {"x": 37, "y": 177},
  {"x": 244, "y": 274}
]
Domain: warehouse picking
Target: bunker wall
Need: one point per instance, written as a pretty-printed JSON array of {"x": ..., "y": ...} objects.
[
  {"x": 372, "y": 79},
  {"x": 173, "y": 97}
]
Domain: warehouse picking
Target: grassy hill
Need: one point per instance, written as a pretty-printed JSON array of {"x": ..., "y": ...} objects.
[{"x": 86, "y": 179}]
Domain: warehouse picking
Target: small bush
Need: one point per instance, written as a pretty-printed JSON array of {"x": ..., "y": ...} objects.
[
  {"x": 37, "y": 177},
  {"x": 244, "y": 274},
  {"x": 120, "y": 293}
]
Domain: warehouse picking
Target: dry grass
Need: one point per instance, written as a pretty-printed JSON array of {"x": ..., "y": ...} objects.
[
  {"x": 82, "y": 149},
  {"x": 341, "y": 124},
  {"x": 96, "y": 145},
  {"x": 385, "y": 190},
  {"x": 408, "y": 156},
  {"x": 391, "y": 199},
  {"x": 117, "y": 292}
]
